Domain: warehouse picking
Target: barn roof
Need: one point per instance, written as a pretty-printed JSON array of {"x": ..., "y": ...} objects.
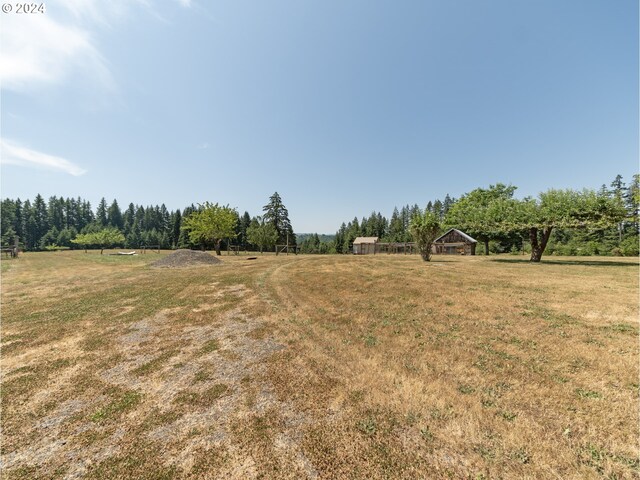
[
  {"x": 365, "y": 240},
  {"x": 459, "y": 232}
]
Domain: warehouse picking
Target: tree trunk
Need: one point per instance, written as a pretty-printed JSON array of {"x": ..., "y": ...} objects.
[
  {"x": 538, "y": 246},
  {"x": 425, "y": 253},
  {"x": 218, "y": 247},
  {"x": 101, "y": 250},
  {"x": 486, "y": 246}
]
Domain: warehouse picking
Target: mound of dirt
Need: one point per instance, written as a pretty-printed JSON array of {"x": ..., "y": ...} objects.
[{"x": 186, "y": 258}]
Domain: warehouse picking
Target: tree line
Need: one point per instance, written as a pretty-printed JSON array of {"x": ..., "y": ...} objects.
[
  {"x": 71, "y": 223},
  {"x": 563, "y": 222}
]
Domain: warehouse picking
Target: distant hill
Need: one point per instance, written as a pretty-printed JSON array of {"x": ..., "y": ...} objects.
[{"x": 300, "y": 237}]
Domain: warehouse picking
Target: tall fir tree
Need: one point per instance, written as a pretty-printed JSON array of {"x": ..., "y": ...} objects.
[
  {"x": 101, "y": 213},
  {"x": 114, "y": 215},
  {"x": 276, "y": 214}
]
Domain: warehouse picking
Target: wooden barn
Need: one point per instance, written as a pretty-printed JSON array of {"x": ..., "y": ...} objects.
[
  {"x": 365, "y": 245},
  {"x": 454, "y": 242}
]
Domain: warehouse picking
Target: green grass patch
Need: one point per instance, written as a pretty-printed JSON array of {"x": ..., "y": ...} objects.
[
  {"x": 155, "y": 364},
  {"x": 202, "y": 399},
  {"x": 210, "y": 346},
  {"x": 584, "y": 393},
  {"x": 115, "y": 408}
]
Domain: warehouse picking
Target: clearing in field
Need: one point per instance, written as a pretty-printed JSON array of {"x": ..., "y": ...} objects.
[{"x": 319, "y": 367}]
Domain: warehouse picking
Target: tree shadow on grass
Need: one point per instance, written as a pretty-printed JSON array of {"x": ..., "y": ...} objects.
[{"x": 579, "y": 263}]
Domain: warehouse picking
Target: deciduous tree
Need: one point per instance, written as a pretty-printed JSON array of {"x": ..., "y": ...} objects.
[
  {"x": 105, "y": 238},
  {"x": 471, "y": 212},
  {"x": 262, "y": 234},
  {"x": 212, "y": 223},
  {"x": 425, "y": 229}
]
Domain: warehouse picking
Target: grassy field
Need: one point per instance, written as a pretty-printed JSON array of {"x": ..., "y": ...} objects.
[{"x": 319, "y": 367}]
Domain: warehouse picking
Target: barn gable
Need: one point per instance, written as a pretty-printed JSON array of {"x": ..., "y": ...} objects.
[
  {"x": 454, "y": 235},
  {"x": 454, "y": 242}
]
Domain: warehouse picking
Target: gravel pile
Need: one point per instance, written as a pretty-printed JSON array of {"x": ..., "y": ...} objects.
[{"x": 186, "y": 258}]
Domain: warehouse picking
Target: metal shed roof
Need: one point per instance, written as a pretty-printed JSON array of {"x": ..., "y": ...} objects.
[
  {"x": 464, "y": 235},
  {"x": 359, "y": 240}
]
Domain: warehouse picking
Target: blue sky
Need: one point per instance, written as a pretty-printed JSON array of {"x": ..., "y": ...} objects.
[{"x": 343, "y": 107}]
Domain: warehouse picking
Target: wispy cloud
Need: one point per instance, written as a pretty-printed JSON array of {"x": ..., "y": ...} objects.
[
  {"x": 203, "y": 146},
  {"x": 185, "y": 3},
  {"x": 13, "y": 154},
  {"x": 38, "y": 50}
]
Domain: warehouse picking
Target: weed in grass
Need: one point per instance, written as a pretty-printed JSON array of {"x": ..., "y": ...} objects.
[
  {"x": 578, "y": 364},
  {"x": 559, "y": 379},
  {"x": 427, "y": 434},
  {"x": 412, "y": 417},
  {"x": 507, "y": 415},
  {"x": 622, "y": 328},
  {"x": 115, "y": 408},
  {"x": 368, "y": 426},
  {"x": 584, "y": 393},
  {"x": 521, "y": 455},
  {"x": 370, "y": 340},
  {"x": 466, "y": 389},
  {"x": 485, "y": 451}
]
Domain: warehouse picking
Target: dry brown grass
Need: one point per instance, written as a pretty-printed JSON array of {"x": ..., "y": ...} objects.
[{"x": 320, "y": 367}]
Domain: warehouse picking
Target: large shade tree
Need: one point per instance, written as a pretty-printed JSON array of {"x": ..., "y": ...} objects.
[
  {"x": 472, "y": 213},
  {"x": 537, "y": 218},
  {"x": 211, "y": 223}
]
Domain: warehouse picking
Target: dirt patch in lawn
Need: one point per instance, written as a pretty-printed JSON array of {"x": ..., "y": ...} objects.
[{"x": 186, "y": 258}]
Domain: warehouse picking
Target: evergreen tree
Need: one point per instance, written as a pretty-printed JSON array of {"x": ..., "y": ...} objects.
[
  {"x": 243, "y": 225},
  {"x": 340, "y": 238},
  {"x": 430, "y": 206},
  {"x": 446, "y": 205},
  {"x": 114, "y": 216},
  {"x": 18, "y": 225},
  {"x": 41, "y": 219},
  {"x": 437, "y": 209},
  {"x": 277, "y": 215},
  {"x": 631, "y": 202},
  {"x": 101, "y": 213},
  {"x": 176, "y": 223},
  {"x": 86, "y": 214},
  {"x": 8, "y": 221},
  {"x": 55, "y": 212},
  {"x": 396, "y": 227}
]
